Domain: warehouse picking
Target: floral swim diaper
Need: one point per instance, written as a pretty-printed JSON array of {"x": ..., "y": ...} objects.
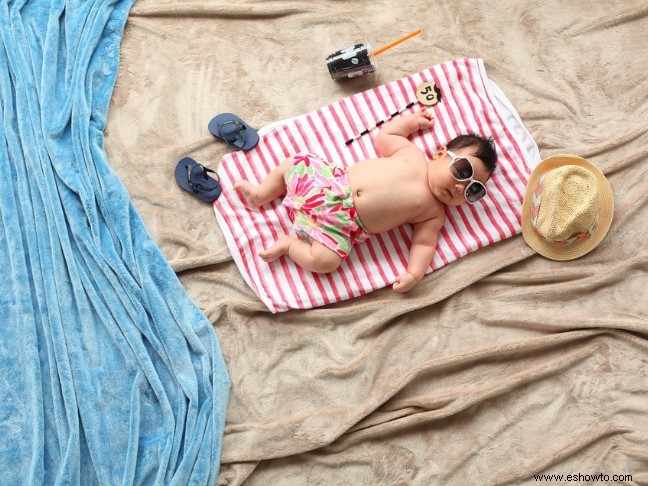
[{"x": 320, "y": 204}]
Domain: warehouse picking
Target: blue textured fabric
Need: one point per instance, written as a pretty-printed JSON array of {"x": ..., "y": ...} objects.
[{"x": 109, "y": 373}]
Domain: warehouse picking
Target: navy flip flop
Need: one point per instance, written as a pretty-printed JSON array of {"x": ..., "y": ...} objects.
[
  {"x": 195, "y": 178},
  {"x": 234, "y": 131}
]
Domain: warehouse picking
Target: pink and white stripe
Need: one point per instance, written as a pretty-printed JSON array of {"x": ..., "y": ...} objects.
[{"x": 470, "y": 103}]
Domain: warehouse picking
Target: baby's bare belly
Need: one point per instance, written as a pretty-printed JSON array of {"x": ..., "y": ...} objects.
[
  {"x": 375, "y": 216},
  {"x": 385, "y": 198}
]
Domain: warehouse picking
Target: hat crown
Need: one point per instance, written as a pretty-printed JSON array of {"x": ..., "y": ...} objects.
[
  {"x": 568, "y": 207},
  {"x": 569, "y": 203}
]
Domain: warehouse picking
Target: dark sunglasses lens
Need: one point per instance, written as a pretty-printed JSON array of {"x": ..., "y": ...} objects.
[
  {"x": 461, "y": 169},
  {"x": 475, "y": 191}
]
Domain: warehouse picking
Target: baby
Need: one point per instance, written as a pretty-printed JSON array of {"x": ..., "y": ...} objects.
[{"x": 333, "y": 207}]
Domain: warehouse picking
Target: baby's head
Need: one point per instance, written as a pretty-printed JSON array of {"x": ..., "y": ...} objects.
[
  {"x": 480, "y": 147},
  {"x": 461, "y": 169}
]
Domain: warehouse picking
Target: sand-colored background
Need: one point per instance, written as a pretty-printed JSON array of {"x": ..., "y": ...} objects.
[{"x": 499, "y": 366}]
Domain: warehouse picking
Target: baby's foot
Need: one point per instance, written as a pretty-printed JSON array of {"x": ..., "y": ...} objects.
[
  {"x": 279, "y": 248},
  {"x": 250, "y": 193}
]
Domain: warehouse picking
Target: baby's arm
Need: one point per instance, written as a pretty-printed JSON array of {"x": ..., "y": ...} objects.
[
  {"x": 424, "y": 241},
  {"x": 393, "y": 134}
]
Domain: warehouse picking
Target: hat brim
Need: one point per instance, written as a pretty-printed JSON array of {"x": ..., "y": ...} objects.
[{"x": 577, "y": 248}]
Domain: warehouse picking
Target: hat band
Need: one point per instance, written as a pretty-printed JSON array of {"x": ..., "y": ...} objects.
[{"x": 535, "y": 207}]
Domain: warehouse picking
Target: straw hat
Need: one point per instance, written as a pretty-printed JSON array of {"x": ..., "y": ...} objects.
[{"x": 567, "y": 207}]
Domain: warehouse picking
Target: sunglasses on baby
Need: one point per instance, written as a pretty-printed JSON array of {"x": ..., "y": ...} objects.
[{"x": 462, "y": 170}]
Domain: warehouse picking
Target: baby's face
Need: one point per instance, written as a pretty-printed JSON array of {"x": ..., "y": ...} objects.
[{"x": 445, "y": 187}]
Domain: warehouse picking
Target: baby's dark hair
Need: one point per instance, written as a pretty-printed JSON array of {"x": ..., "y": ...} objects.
[{"x": 484, "y": 148}]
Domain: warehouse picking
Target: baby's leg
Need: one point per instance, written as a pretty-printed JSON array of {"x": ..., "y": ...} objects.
[
  {"x": 313, "y": 256},
  {"x": 270, "y": 188}
]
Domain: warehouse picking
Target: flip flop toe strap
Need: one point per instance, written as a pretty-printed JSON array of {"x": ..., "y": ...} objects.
[
  {"x": 196, "y": 185},
  {"x": 238, "y": 134}
]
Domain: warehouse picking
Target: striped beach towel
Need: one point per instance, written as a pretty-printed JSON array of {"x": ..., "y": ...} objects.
[{"x": 470, "y": 103}]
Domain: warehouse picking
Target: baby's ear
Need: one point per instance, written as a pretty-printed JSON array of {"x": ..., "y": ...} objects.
[{"x": 441, "y": 151}]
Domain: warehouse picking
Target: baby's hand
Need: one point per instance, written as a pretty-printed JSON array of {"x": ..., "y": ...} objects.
[
  {"x": 425, "y": 119},
  {"x": 405, "y": 282}
]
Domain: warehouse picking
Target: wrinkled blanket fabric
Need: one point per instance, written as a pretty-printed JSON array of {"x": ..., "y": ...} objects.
[
  {"x": 109, "y": 373},
  {"x": 500, "y": 367}
]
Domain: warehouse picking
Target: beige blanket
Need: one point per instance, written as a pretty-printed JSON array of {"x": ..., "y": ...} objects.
[{"x": 500, "y": 366}]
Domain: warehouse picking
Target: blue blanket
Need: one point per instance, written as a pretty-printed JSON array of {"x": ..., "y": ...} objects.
[{"x": 109, "y": 373}]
